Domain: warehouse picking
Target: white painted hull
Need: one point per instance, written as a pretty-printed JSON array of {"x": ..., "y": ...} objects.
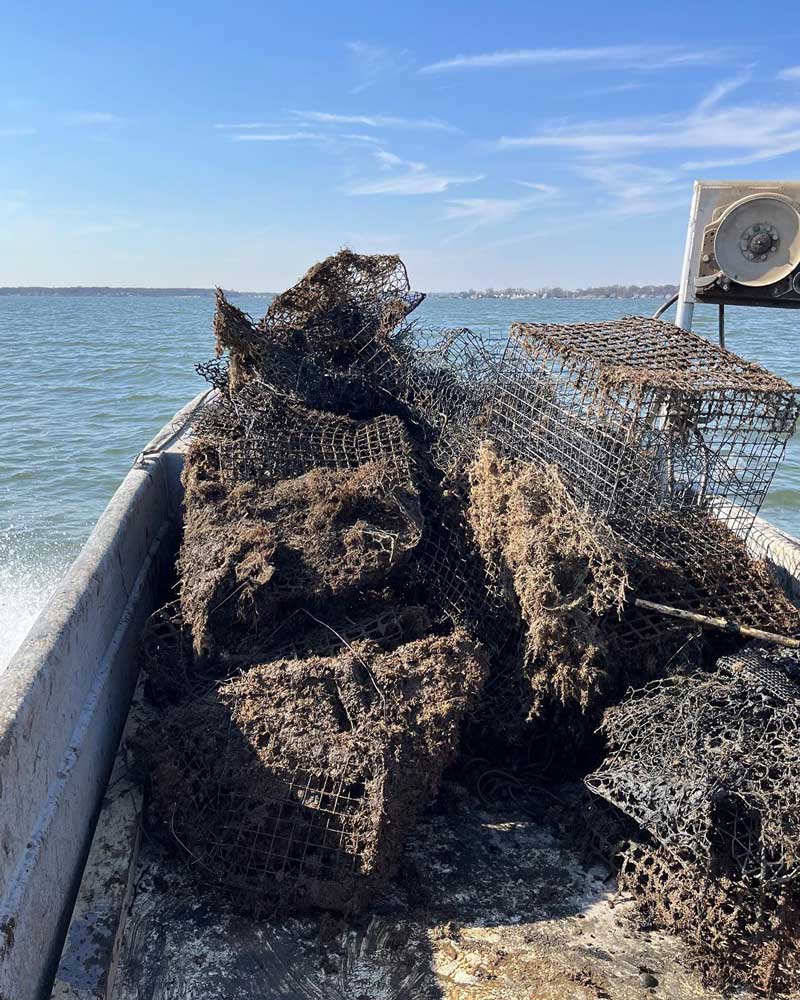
[{"x": 63, "y": 701}]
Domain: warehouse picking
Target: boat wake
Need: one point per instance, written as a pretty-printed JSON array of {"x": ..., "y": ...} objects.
[{"x": 27, "y": 579}]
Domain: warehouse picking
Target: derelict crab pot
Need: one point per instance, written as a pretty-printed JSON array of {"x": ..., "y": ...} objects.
[
  {"x": 295, "y": 783},
  {"x": 644, "y": 419}
]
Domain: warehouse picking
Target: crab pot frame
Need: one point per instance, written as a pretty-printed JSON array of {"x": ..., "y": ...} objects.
[
  {"x": 644, "y": 419},
  {"x": 279, "y": 835}
]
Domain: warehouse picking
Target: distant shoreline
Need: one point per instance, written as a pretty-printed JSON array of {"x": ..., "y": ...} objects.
[
  {"x": 599, "y": 292},
  {"x": 100, "y": 291}
]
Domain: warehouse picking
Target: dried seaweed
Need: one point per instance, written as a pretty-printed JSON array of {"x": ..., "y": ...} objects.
[
  {"x": 558, "y": 567},
  {"x": 296, "y": 783},
  {"x": 174, "y": 673},
  {"x": 250, "y": 554}
]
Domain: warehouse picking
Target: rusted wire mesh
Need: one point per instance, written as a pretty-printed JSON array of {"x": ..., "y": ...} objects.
[
  {"x": 253, "y": 436},
  {"x": 707, "y": 764},
  {"x": 173, "y": 673},
  {"x": 739, "y": 934},
  {"x": 653, "y": 429},
  {"x": 295, "y": 783}
]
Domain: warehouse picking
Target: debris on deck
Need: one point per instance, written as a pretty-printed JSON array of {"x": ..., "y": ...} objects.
[{"x": 406, "y": 550}]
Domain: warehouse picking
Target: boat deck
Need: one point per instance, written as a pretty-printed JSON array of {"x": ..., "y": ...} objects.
[{"x": 492, "y": 902}]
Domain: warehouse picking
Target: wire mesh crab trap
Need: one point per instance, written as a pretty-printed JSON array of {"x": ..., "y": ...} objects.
[
  {"x": 295, "y": 783},
  {"x": 328, "y": 342},
  {"x": 260, "y": 825},
  {"x": 253, "y": 437},
  {"x": 707, "y": 765},
  {"x": 648, "y": 423},
  {"x": 344, "y": 308},
  {"x": 739, "y": 934}
]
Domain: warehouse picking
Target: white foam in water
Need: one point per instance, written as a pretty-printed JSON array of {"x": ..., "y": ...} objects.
[{"x": 26, "y": 583}]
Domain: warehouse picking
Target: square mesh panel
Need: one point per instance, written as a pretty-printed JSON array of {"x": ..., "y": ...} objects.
[{"x": 644, "y": 419}]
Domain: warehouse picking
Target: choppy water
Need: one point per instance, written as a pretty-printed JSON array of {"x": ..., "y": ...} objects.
[{"x": 85, "y": 382}]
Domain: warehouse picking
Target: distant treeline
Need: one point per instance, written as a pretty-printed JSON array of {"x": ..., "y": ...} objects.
[
  {"x": 595, "y": 292},
  {"x": 102, "y": 290}
]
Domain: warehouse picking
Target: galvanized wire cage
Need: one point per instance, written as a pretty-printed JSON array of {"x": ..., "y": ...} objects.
[
  {"x": 644, "y": 420},
  {"x": 255, "y": 440}
]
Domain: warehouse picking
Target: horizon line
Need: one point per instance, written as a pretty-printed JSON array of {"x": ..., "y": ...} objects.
[{"x": 201, "y": 290}]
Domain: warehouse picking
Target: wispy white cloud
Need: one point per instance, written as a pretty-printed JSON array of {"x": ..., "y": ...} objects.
[
  {"x": 242, "y": 126},
  {"x": 389, "y": 160},
  {"x": 643, "y": 57},
  {"x": 547, "y": 189},
  {"x": 294, "y": 131},
  {"x": 480, "y": 212},
  {"x": 721, "y": 90},
  {"x": 92, "y": 118},
  {"x": 360, "y": 137},
  {"x": 375, "y": 121},
  {"x": 411, "y": 183},
  {"x": 407, "y": 177},
  {"x": 487, "y": 211},
  {"x": 790, "y": 73},
  {"x": 612, "y": 155},
  {"x": 374, "y": 63},
  {"x": 630, "y": 188},
  {"x": 279, "y": 137},
  {"x": 792, "y": 145},
  {"x": 761, "y": 131}
]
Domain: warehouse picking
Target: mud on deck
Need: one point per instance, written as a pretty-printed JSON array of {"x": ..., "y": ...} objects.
[{"x": 491, "y": 903}]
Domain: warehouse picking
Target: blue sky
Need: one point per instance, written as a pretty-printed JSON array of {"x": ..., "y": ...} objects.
[{"x": 490, "y": 144}]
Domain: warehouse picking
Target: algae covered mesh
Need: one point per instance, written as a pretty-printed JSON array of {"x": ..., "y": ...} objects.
[
  {"x": 401, "y": 547},
  {"x": 706, "y": 767},
  {"x": 739, "y": 934},
  {"x": 654, "y": 429},
  {"x": 707, "y": 764},
  {"x": 296, "y": 782},
  {"x": 250, "y": 437},
  {"x": 347, "y": 313}
]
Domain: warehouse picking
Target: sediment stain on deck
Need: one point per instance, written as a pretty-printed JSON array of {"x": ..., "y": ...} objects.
[{"x": 488, "y": 905}]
